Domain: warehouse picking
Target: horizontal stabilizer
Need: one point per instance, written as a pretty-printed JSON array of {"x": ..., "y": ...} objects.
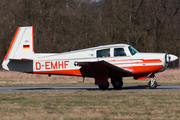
[{"x": 22, "y": 59}]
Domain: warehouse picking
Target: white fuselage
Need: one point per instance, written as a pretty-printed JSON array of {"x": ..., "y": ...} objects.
[{"x": 21, "y": 57}]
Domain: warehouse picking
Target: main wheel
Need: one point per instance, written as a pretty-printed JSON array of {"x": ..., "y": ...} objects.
[
  {"x": 104, "y": 87},
  {"x": 117, "y": 83},
  {"x": 152, "y": 86}
]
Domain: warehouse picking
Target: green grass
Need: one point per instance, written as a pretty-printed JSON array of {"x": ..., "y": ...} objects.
[{"x": 90, "y": 105}]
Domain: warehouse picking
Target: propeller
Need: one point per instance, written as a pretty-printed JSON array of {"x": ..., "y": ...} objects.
[
  {"x": 167, "y": 57},
  {"x": 170, "y": 57}
]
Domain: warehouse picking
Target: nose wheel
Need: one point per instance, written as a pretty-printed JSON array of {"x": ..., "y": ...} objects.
[{"x": 153, "y": 84}]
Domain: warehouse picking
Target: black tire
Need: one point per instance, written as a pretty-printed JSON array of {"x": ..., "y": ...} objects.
[
  {"x": 117, "y": 83},
  {"x": 104, "y": 87},
  {"x": 154, "y": 86}
]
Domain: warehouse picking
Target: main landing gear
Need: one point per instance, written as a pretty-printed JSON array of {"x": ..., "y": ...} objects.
[
  {"x": 116, "y": 82},
  {"x": 104, "y": 87},
  {"x": 152, "y": 84}
]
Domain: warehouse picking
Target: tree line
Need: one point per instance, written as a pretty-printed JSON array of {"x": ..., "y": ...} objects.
[{"x": 66, "y": 25}]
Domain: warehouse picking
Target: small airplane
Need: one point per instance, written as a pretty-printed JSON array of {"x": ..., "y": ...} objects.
[{"x": 108, "y": 61}]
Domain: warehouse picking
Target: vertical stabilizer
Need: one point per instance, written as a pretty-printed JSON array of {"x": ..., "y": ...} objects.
[
  {"x": 22, "y": 45},
  {"x": 21, "y": 51}
]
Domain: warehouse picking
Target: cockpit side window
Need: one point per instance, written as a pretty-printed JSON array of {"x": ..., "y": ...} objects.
[
  {"x": 119, "y": 52},
  {"x": 103, "y": 53},
  {"x": 132, "y": 50}
]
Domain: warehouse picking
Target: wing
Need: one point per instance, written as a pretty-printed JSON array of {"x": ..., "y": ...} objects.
[{"x": 101, "y": 70}]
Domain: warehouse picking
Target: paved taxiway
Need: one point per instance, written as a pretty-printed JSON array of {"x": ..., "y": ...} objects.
[{"x": 133, "y": 88}]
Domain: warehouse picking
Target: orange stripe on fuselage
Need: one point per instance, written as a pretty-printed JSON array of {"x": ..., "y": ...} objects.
[
  {"x": 144, "y": 69},
  {"x": 152, "y": 61},
  {"x": 12, "y": 42},
  {"x": 75, "y": 72},
  {"x": 143, "y": 61},
  {"x": 139, "y": 59}
]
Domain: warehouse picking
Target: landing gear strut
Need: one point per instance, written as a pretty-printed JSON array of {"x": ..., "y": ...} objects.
[{"x": 152, "y": 84}]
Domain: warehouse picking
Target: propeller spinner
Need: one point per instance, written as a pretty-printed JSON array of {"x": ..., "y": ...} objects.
[{"x": 170, "y": 57}]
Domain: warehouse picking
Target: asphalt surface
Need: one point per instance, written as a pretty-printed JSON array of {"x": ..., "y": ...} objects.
[{"x": 132, "y": 88}]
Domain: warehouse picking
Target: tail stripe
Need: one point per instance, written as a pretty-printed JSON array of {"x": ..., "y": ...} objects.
[{"x": 12, "y": 42}]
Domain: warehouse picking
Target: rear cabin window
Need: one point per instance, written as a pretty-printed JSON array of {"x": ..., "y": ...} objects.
[
  {"x": 103, "y": 53},
  {"x": 119, "y": 52}
]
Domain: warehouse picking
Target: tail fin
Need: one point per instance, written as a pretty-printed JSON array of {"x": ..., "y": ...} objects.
[
  {"x": 22, "y": 45},
  {"x": 21, "y": 51}
]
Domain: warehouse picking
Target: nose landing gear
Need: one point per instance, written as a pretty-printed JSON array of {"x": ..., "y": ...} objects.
[{"x": 152, "y": 84}]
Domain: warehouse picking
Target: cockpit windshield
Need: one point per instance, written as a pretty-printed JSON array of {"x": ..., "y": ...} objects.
[{"x": 132, "y": 50}]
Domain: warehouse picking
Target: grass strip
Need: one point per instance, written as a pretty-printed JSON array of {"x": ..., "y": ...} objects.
[{"x": 91, "y": 105}]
